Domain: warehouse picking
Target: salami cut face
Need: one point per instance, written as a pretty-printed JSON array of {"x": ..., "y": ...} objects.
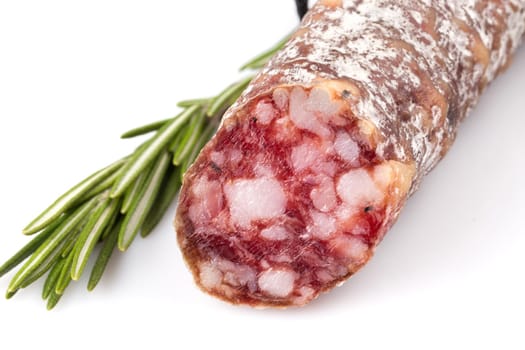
[
  {"x": 288, "y": 200},
  {"x": 313, "y": 164}
]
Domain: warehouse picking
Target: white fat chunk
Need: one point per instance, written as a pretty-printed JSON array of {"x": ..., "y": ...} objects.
[
  {"x": 241, "y": 276},
  {"x": 345, "y": 212},
  {"x": 282, "y": 258},
  {"x": 346, "y": 148},
  {"x": 196, "y": 213},
  {"x": 320, "y": 102},
  {"x": 305, "y": 156},
  {"x": 235, "y": 156},
  {"x": 383, "y": 175},
  {"x": 351, "y": 247},
  {"x": 306, "y": 294},
  {"x": 275, "y": 233},
  {"x": 265, "y": 112},
  {"x": 235, "y": 274},
  {"x": 217, "y": 158},
  {"x": 356, "y": 188},
  {"x": 280, "y": 97},
  {"x": 304, "y": 119},
  {"x": 323, "y": 225},
  {"x": 277, "y": 282},
  {"x": 323, "y": 196},
  {"x": 254, "y": 199},
  {"x": 262, "y": 168},
  {"x": 210, "y": 276},
  {"x": 324, "y": 276},
  {"x": 208, "y": 198},
  {"x": 328, "y": 168}
]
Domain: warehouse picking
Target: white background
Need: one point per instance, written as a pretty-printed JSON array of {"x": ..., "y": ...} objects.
[{"x": 75, "y": 75}]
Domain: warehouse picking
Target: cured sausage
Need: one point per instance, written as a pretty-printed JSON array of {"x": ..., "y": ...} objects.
[{"x": 314, "y": 162}]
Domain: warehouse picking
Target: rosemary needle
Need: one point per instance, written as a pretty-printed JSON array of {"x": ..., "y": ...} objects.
[
  {"x": 142, "y": 203},
  {"x": 224, "y": 99},
  {"x": 64, "y": 277},
  {"x": 68, "y": 199},
  {"x": 141, "y": 130},
  {"x": 52, "y": 278},
  {"x": 52, "y": 300},
  {"x": 188, "y": 138},
  {"x": 103, "y": 258},
  {"x": 29, "y": 248},
  {"x": 143, "y": 157},
  {"x": 49, "y": 246},
  {"x": 195, "y": 101},
  {"x": 115, "y": 203},
  {"x": 170, "y": 187},
  {"x": 90, "y": 235},
  {"x": 132, "y": 192}
]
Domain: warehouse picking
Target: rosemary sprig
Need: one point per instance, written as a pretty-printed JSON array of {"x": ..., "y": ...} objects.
[{"x": 115, "y": 203}]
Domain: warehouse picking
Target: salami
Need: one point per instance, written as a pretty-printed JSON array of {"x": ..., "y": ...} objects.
[{"x": 314, "y": 162}]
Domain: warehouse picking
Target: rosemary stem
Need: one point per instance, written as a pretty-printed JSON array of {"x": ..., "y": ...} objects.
[{"x": 115, "y": 203}]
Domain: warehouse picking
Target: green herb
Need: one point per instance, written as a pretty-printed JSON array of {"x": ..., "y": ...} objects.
[{"x": 115, "y": 203}]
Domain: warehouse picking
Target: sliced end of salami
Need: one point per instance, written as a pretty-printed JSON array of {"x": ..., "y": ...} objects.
[{"x": 289, "y": 199}]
